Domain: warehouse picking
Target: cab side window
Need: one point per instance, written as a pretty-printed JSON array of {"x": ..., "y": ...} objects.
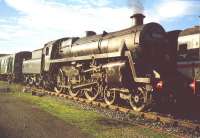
[{"x": 47, "y": 51}]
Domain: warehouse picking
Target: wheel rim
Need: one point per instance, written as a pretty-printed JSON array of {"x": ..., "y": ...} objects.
[
  {"x": 59, "y": 82},
  {"x": 137, "y": 100},
  {"x": 91, "y": 93},
  {"x": 30, "y": 82},
  {"x": 73, "y": 93},
  {"x": 45, "y": 84},
  {"x": 26, "y": 80},
  {"x": 109, "y": 96},
  {"x": 38, "y": 82}
]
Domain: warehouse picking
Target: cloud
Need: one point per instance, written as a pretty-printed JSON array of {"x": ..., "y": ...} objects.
[
  {"x": 166, "y": 11},
  {"x": 47, "y": 14},
  {"x": 178, "y": 8},
  {"x": 96, "y": 3},
  {"x": 41, "y": 21},
  {"x": 172, "y": 9}
]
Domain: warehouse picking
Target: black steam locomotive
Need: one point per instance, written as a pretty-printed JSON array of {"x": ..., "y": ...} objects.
[
  {"x": 130, "y": 64},
  {"x": 126, "y": 64}
]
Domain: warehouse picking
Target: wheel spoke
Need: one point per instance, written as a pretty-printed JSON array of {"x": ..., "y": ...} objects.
[
  {"x": 92, "y": 93},
  {"x": 137, "y": 100},
  {"x": 59, "y": 82},
  {"x": 73, "y": 93}
]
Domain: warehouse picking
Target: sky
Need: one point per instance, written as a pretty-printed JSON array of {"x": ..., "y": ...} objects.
[{"x": 26, "y": 25}]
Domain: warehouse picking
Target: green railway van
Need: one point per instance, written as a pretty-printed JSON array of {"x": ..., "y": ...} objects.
[{"x": 11, "y": 66}]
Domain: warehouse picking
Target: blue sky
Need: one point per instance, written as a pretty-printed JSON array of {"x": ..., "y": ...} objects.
[{"x": 28, "y": 24}]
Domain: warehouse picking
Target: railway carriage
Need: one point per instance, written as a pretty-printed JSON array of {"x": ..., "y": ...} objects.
[
  {"x": 11, "y": 66},
  {"x": 6, "y": 66},
  {"x": 188, "y": 63}
]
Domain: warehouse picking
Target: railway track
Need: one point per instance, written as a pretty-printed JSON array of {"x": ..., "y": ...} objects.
[{"x": 195, "y": 127}]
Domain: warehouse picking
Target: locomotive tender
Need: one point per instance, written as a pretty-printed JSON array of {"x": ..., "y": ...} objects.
[{"x": 126, "y": 64}]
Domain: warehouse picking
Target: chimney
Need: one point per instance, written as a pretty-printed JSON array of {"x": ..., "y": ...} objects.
[
  {"x": 90, "y": 33},
  {"x": 137, "y": 19}
]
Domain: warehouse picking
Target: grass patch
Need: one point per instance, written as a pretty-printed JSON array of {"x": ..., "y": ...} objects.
[{"x": 89, "y": 122}]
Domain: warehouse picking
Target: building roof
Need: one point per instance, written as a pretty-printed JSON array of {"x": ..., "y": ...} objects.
[{"x": 190, "y": 31}]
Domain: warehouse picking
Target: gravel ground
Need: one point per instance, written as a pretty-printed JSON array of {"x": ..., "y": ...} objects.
[
  {"x": 19, "y": 119},
  {"x": 166, "y": 128}
]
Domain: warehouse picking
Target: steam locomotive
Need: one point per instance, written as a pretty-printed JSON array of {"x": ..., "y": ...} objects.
[{"x": 130, "y": 64}]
